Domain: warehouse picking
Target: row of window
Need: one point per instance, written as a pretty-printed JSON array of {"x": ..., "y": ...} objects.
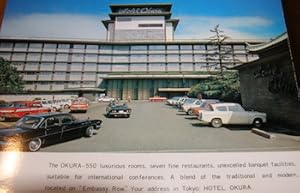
[
  {"x": 122, "y": 58},
  {"x": 52, "y": 46},
  {"x": 78, "y": 67},
  {"x": 58, "y": 85}
]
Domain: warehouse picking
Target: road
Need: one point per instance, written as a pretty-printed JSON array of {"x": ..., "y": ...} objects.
[{"x": 156, "y": 127}]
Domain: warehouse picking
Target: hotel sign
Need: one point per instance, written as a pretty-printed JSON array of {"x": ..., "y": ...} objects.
[{"x": 140, "y": 10}]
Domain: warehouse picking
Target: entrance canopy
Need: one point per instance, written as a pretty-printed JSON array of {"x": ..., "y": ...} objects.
[{"x": 173, "y": 89}]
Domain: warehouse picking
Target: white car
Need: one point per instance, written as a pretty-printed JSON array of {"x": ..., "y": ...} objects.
[
  {"x": 231, "y": 113},
  {"x": 106, "y": 99},
  {"x": 50, "y": 104},
  {"x": 172, "y": 100}
]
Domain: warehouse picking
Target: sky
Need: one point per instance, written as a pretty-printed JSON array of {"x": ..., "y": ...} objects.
[{"x": 239, "y": 19}]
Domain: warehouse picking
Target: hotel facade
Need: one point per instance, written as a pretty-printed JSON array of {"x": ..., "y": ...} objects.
[{"x": 139, "y": 58}]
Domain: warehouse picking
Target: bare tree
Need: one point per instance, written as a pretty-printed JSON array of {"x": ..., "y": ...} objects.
[{"x": 220, "y": 51}]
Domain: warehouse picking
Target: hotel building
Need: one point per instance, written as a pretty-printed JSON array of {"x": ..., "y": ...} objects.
[{"x": 139, "y": 58}]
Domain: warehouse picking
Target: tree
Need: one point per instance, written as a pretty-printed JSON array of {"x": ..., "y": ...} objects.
[
  {"x": 225, "y": 87},
  {"x": 220, "y": 52},
  {"x": 10, "y": 79}
]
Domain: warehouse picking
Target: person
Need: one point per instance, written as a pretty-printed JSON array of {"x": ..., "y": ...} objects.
[
  {"x": 129, "y": 98},
  {"x": 199, "y": 96}
]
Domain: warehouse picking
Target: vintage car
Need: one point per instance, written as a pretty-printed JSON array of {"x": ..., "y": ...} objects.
[
  {"x": 231, "y": 113},
  {"x": 50, "y": 104},
  {"x": 197, "y": 104},
  {"x": 118, "y": 110},
  {"x": 32, "y": 131},
  {"x": 186, "y": 102},
  {"x": 17, "y": 109},
  {"x": 106, "y": 99},
  {"x": 172, "y": 100},
  {"x": 79, "y": 105}
]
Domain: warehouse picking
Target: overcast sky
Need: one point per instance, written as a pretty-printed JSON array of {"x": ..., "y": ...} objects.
[{"x": 82, "y": 18}]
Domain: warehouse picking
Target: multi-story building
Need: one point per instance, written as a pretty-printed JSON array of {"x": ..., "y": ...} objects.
[{"x": 139, "y": 58}]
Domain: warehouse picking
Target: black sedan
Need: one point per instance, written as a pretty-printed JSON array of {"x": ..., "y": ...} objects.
[
  {"x": 118, "y": 110},
  {"x": 32, "y": 131}
]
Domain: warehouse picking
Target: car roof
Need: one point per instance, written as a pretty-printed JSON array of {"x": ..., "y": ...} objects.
[
  {"x": 45, "y": 115},
  {"x": 224, "y": 104}
]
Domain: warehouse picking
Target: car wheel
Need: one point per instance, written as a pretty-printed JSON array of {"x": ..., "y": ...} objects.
[
  {"x": 216, "y": 123},
  {"x": 66, "y": 107},
  {"x": 257, "y": 122},
  {"x": 34, "y": 144},
  {"x": 89, "y": 131},
  {"x": 54, "y": 109},
  {"x": 190, "y": 112}
]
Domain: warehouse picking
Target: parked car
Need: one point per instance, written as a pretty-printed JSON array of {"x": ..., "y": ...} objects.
[
  {"x": 187, "y": 102},
  {"x": 50, "y": 104},
  {"x": 118, "y": 110},
  {"x": 64, "y": 103},
  {"x": 32, "y": 131},
  {"x": 106, "y": 99},
  {"x": 172, "y": 100},
  {"x": 79, "y": 105},
  {"x": 17, "y": 109},
  {"x": 198, "y": 105},
  {"x": 231, "y": 113},
  {"x": 180, "y": 101}
]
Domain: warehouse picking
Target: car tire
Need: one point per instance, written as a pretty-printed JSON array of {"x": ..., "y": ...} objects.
[
  {"x": 257, "y": 123},
  {"x": 89, "y": 132},
  {"x": 54, "y": 109},
  {"x": 216, "y": 123},
  {"x": 34, "y": 145},
  {"x": 190, "y": 112},
  {"x": 66, "y": 107}
]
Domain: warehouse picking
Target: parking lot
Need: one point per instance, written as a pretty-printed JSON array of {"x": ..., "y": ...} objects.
[{"x": 156, "y": 127}]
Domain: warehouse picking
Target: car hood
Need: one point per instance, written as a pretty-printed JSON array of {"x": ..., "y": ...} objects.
[{"x": 12, "y": 131}]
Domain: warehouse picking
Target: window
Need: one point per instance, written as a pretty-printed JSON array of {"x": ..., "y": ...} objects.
[
  {"x": 186, "y": 47},
  {"x": 76, "y": 67},
  {"x": 186, "y": 58},
  {"x": 138, "y": 58},
  {"x": 75, "y": 76},
  {"x": 104, "y": 67},
  {"x": 18, "y": 56},
  {"x": 31, "y": 66},
  {"x": 92, "y": 47},
  {"x": 46, "y": 66},
  {"x": 121, "y": 49},
  {"x": 157, "y": 58},
  {"x": 221, "y": 108},
  {"x": 35, "y": 47},
  {"x": 173, "y": 47},
  {"x": 89, "y": 76},
  {"x": 200, "y": 57},
  {"x": 62, "y": 57},
  {"x": 173, "y": 58},
  {"x": 138, "y": 67},
  {"x": 151, "y": 25},
  {"x": 91, "y": 57},
  {"x": 52, "y": 121},
  {"x": 5, "y": 55},
  {"x": 21, "y": 46},
  {"x": 61, "y": 66},
  {"x": 77, "y": 57},
  {"x": 199, "y": 47},
  {"x": 235, "y": 108},
  {"x": 105, "y": 49},
  {"x": 6, "y": 45},
  {"x": 200, "y": 67},
  {"x": 59, "y": 76},
  {"x": 78, "y": 46},
  {"x": 63, "y": 46},
  {"x": 123, "y": 19},
  {"x": 49, "y": 46},
  {"x": 157, "y": 67},
  {"x": 119, "y": 67},
  {"x": 48, "y": 57},
  {"x": 139, "y": 47},
  {"x": 156, "y": 47},
  {"x": 67, "y": 119},
  {"x": 90, "y": 67},
  {"x": 187, "y": 67},
  {"x": 121, "y": 58},
  {"x": 173, "y": 66},
  {"x": 104, "y": 58},
  {"x": 33, "y": 57}
]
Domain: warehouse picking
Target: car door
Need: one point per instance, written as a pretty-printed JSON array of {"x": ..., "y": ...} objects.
[
  {"x": 239, "y": 115},
  {"x": 70, "y": 127},
  {"x": 53, "y": 128}
]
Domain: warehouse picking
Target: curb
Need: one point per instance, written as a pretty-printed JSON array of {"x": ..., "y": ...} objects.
[{"x": 262, "y": 133}]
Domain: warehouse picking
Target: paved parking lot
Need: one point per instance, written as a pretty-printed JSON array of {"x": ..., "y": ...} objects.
[{"x": 156, "y": 127}]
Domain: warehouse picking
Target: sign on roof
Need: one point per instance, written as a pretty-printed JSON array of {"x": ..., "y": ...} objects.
[{"x": 140, "y": 10}]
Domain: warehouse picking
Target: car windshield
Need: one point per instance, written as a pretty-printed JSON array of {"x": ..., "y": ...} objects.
[
  {"x": 190, "y": 100},
  {"x": 29, "y": 122}
]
